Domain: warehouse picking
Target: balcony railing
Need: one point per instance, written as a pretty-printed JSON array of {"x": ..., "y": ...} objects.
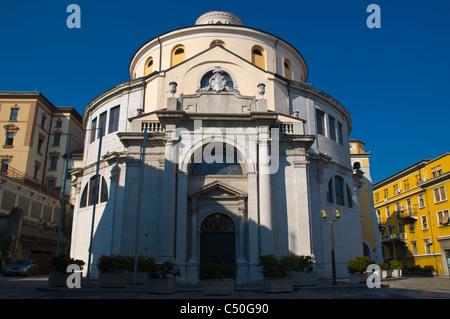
[
  {"x": 153, "y": 126},
  {"x": 407, "y": 213},
  {"x": 24, "y": 179}
]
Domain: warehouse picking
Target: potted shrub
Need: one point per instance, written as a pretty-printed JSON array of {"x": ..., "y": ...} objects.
[
  {"x": 357, "y": 269},
  {"x": 161, "y": 277},
  {"x": 396, "y": 266},
  {"x": 275, "y": 277},
  {"x": 113, "y": 270},
  {"x": 300, "y": 268},
  {"x": 217, "y": 278},
  {"x": 60, "y": 263},
  {"x": 143, "y": 267},
  {"x": 385, "y": 271}
]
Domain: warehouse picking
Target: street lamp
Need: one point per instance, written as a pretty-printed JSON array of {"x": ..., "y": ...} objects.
[{"x": 324, "y": 214}]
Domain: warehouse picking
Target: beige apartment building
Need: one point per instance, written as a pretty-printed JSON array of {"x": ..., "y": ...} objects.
[{"x": 35, "y": 139}]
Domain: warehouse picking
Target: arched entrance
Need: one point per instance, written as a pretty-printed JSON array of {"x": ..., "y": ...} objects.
[{"x": 218, "y": 240}]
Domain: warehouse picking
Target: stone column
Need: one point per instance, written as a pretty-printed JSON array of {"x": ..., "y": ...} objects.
[
  {"x": 167, "y": 226},
  {"x": 265, "y": 202},
  {"x": 303, "y": 243},
  {"x": 193, "y": 263},
  {"x": 242, "y": 263},
  {"x": 181, "y": 234}
]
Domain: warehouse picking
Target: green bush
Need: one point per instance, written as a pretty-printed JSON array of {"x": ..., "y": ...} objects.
[
  {"x": 395, "y": 264},
  {"x": 297, "y": 263},
  {"x": 271, "y": 267},
  {"x": 61, "y": 262},
  {"x": 144, "y": 263},
  {"x": 383, "y": 266},
  {"x": 359, "y": 264},
  {"x": 115, "y": 264},
  {"x": 162, "y": 270},
  {"x": 216, "y": 271}
]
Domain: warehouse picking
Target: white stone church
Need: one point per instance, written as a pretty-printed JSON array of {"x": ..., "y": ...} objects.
[{"x": 216, "y": 150}]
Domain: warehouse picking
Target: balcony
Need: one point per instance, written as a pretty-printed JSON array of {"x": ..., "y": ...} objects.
[
  {"x": 409, "y": 213},
  {"x": 394, "y": 237}
]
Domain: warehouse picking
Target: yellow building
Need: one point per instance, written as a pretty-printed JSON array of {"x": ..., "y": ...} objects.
[{"x": 412, "y": 208}]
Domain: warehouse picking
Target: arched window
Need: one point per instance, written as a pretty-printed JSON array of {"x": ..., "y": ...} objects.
[
  {"x": 148, "y": 66},
  {"x": 88, "y": 197},
  {"x": 357, "y": 165},
  {"x": 339, "y": 190},
  {"x": 335, "y": 191},
  {"x": 83, "y": 200},
  {"x": 222, "y": 165},
  {"x": 258, "y": 57},
  {"x": 349, "y": 197},
  {"x": 330, "y": 191},
  {"x": 216, "y": 161},
  {"x": 287, "y": 69},
  {"x": 178, "y": 55},
  {"x": 217, "y": 42}
]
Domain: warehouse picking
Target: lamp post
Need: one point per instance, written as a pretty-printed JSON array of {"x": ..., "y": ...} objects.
[{"x": 324, "y": 214}]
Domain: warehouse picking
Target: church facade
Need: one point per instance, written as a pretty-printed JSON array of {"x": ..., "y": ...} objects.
[{"x": 216, "y": 150}]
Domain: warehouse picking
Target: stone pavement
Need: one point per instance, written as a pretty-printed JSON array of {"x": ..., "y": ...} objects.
[{"x": 437, "y": 287}]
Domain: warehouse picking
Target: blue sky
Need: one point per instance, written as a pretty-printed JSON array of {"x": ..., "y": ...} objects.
[{"x": 393, "y": 81}]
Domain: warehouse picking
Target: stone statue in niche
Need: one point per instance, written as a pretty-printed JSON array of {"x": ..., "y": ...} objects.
[{"x": 217, "y": 80}]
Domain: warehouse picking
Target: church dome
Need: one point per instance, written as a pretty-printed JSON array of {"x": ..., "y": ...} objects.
[{"x": 218, "y": 17}]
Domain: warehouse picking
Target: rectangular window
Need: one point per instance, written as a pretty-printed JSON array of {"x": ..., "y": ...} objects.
[
  {"x": 377, "y": 197},
  {"x": 340, "y": 134},
  {"x": 439, "y": 170},
  {"x": 102, "y": 125},
  {"x": 414, "y": 247},
  {"x": 424, "y": 223},
  {"x": 58, "y": 124},
  {"x": 417, "y": 179},
  {"x": 36, "y": 171},
  {"x": 13, "y": 115},
  {"x": 114, "y": 119},
  {"x": 56, "y": 138},
  {"x": 386, "y": 193},
  {"x": 39, "y": 145},
  {"x": 379, "y": 216},
  {"x": 433, "y": 172},
  {"x": 443, "y": 218},
  {"x": 331, "y": 128},
  {"x": 412, "y": 228},
  {"x": 320, "y": 118},
  {"x": 42, "y": 121},
  {"x": 9, "y": 138},
  {"x": 5, "y": 164},
  {"x": 427, "y": 244},
  {"x": 388, "y": 212},
  {"x": 53, "y": 162},
  {"x": 439, "y": 194},
  {"x": 406, "y": 184},
  {"x": 421, "y": 201},
  {"x": 93, "y": 129},
  {"x": 51, "y": 185}
]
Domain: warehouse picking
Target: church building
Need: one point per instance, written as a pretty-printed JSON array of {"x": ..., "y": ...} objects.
[{"x": 216, "y": 150}]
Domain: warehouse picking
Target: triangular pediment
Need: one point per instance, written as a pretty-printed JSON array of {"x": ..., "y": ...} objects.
[{"x": 218, "y": 189}]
